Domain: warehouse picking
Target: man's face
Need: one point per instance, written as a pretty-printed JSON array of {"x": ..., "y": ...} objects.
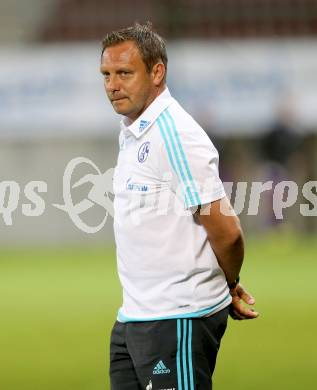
[{"x": 129, "y": 86}]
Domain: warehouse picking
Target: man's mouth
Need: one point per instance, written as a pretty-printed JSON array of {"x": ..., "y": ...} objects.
[{"x": 118, "y": 99}]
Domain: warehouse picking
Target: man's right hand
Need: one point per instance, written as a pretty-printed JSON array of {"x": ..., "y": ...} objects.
[{"x": 238, "y": 311}]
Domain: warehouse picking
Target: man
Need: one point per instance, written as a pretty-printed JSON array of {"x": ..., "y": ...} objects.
[{"x": 179, "y": 271}]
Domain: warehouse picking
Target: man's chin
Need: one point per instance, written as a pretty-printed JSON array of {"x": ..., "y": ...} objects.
[
  {"x": 126, "y": 111},
  {"x": 122, "y": 111},
  {"x": 119, "y": 109}
]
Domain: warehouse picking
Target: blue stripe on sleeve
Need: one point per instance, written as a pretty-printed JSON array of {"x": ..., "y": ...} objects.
[
  {"x": 170, "y": 156},
  {"x": 177, "y": 158},
  {"x": 184, "y": 159}
]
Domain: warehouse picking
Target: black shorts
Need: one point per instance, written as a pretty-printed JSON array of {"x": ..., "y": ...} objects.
[{"x": 173, "y": 354}]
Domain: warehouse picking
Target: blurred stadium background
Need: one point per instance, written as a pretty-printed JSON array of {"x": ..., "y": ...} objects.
[{"x": 247, "y": 71}]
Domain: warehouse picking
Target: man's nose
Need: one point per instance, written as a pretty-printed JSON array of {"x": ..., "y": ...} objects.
[{"x": 111, "y": 84}]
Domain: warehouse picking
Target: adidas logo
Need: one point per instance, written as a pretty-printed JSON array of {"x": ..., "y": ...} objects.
[
  {"x": 160, "y": 368},
  {"x": 143, "y": 124}
]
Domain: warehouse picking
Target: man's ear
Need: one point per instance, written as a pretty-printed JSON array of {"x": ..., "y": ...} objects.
[{"x": 158, "y": 73}]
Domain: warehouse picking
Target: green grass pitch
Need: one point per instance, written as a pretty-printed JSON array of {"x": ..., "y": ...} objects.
[{"x": 58, "y": 305}]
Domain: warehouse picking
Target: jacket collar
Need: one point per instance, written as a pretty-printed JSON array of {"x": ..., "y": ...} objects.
[{"x": 144, "y": 122}]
